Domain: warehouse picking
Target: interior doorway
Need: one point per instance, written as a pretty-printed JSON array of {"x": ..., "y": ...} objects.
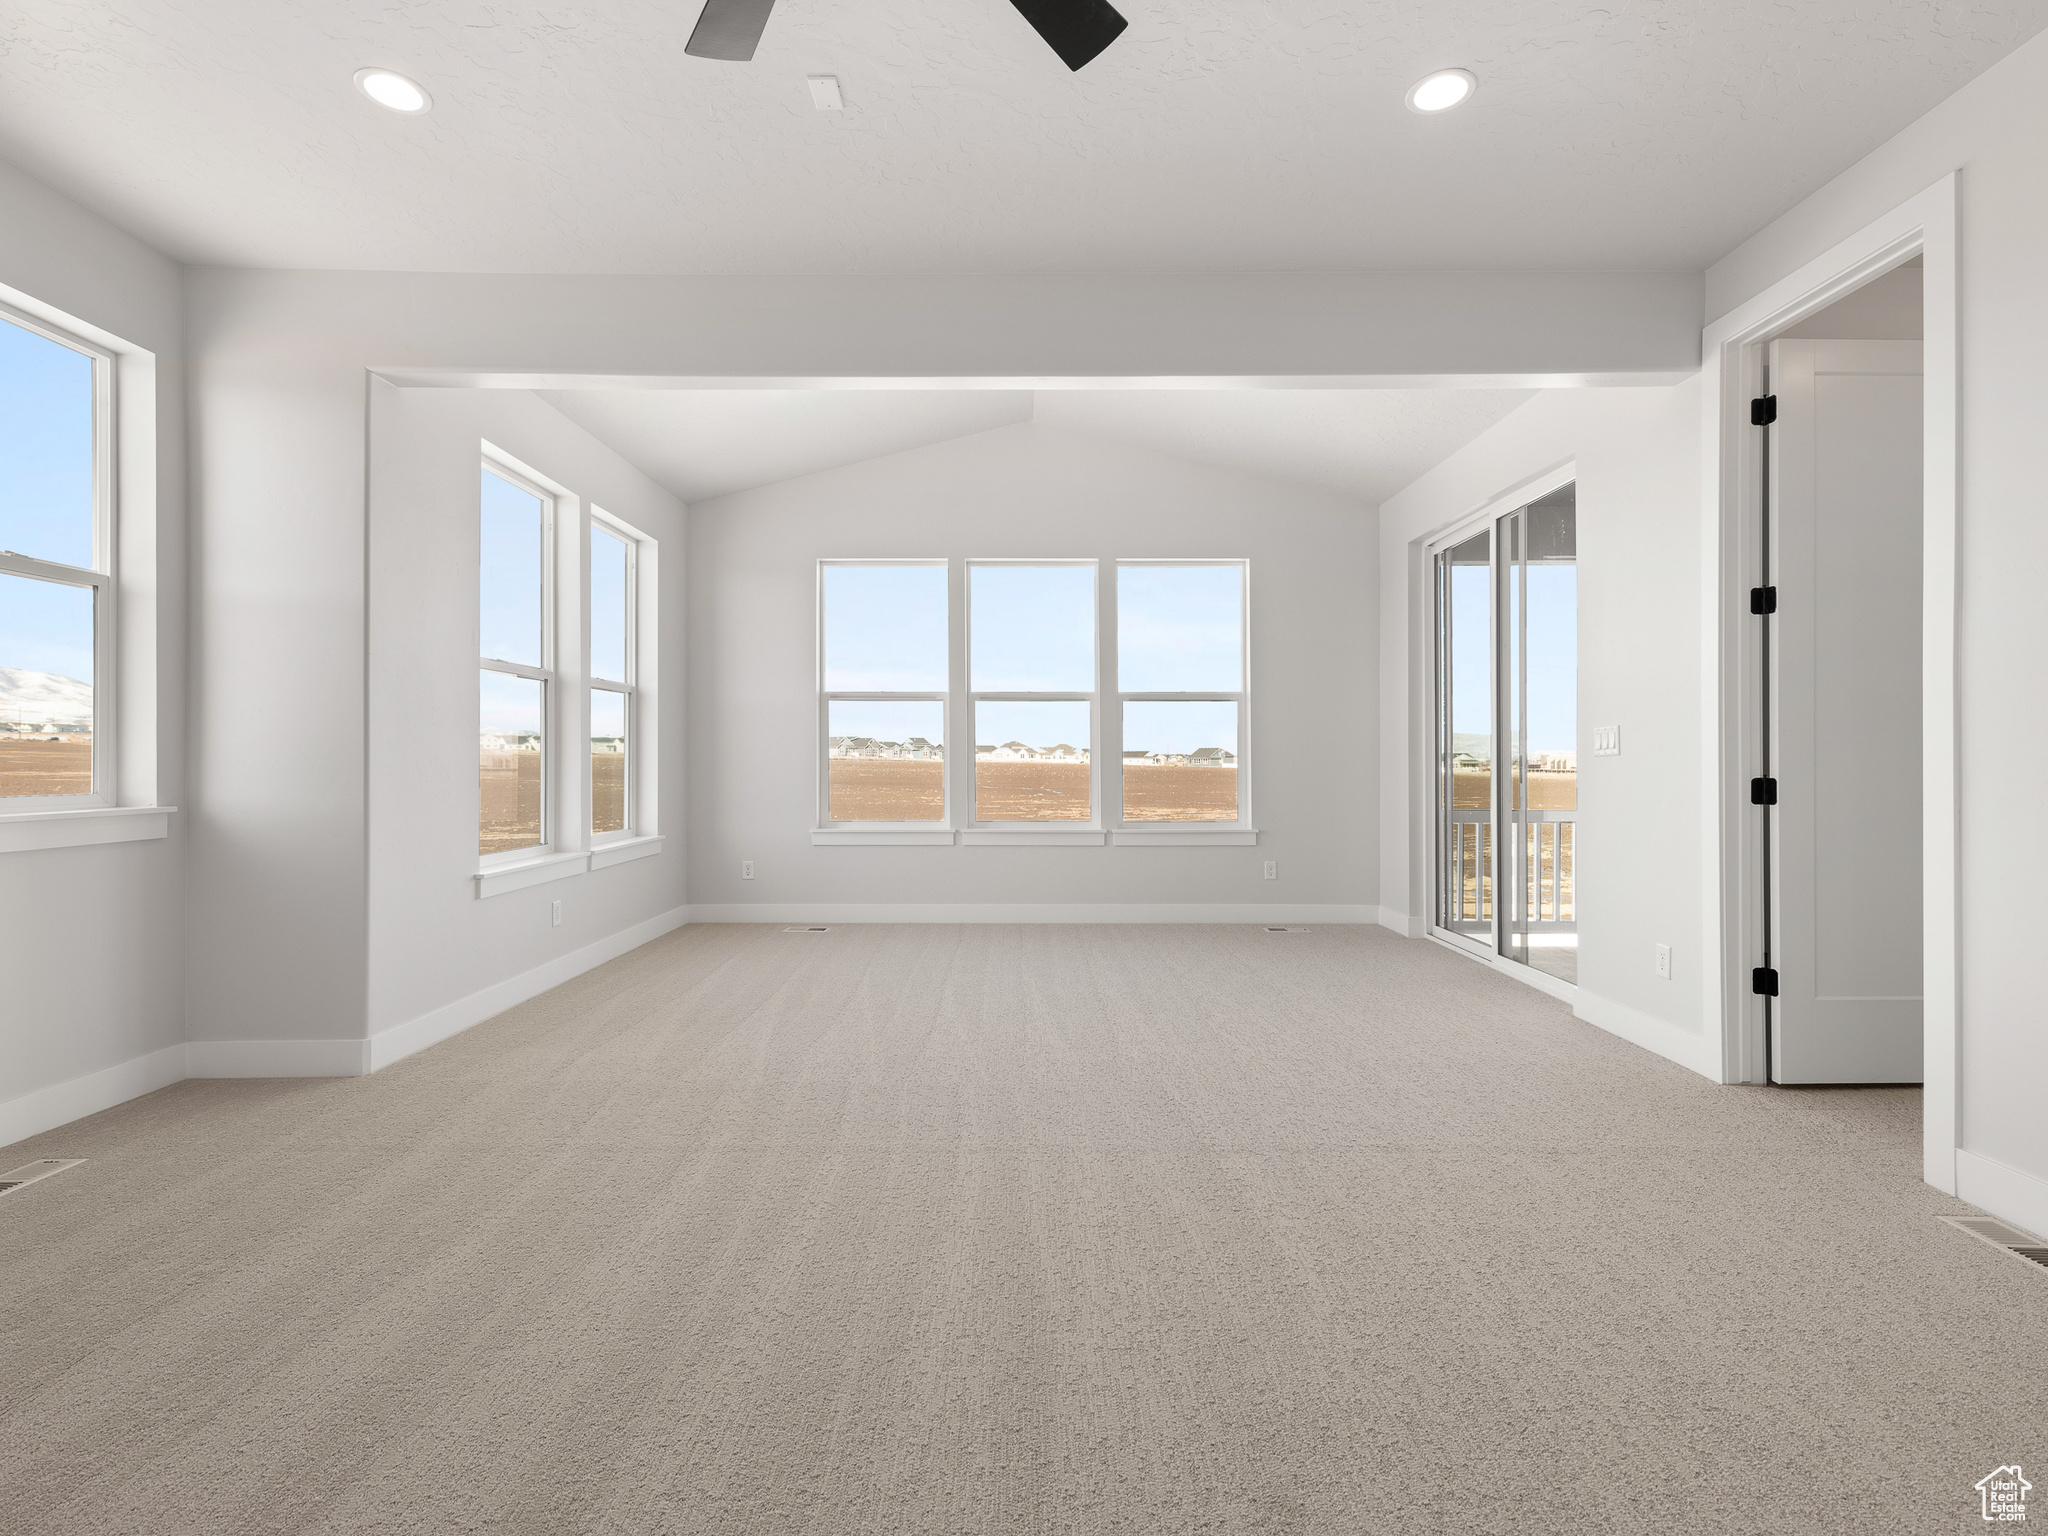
[
  {"x": 1836, "y": 799},
  {"x": 1839, "y": 807}
]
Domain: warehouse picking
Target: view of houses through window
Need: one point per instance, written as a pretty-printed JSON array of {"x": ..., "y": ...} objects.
[
  {"x": 884, "y": 638},
  {"x": 53, "y": 581},
  {"x": 1032, "y": 698},
  {"x": 1180, "y": 674},
  {"x": 1031, "y": 667}
]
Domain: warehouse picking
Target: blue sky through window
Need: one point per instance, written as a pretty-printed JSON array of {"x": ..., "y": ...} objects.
[
  {"x": 885, "y": 630},
  {"x": 1553, "y": 641},
  {"x": 607, "y": 605},
  {"x": 1033, "y": 628},
  {"x": 45, "y": 448},
  {"x": 1153, "y": 725},
  {"x": 1179, "y": 629},
  {"x": 509, "y": 615},
  {"x": 1036, "y": 723},
  {"x": 46, "y": 627}
]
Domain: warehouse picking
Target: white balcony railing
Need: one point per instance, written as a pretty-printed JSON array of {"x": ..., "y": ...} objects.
[{"x": 1470, "y": 870}]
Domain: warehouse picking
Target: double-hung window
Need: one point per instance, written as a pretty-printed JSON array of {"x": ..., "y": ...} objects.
[
  {"x": 614, "y": 556},
  {"x": 1032, "y": 680},
  {"x": 884, "y": 665},
  {"x": 516, "y": 678},
  {"x": 1181, "y": 669},
  {"x": 56, "y": 570}
]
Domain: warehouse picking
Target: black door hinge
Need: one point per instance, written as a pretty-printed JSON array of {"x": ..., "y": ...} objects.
[
  {"x": 1763, "y": 791},
  {"x": 1764, "y": 981},
  {"x": 1763, "y": 412},
  {"x": 1763, "y": 599}
]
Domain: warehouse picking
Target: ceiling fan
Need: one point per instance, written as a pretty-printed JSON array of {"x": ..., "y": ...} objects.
[{"x": 1077, "y": 29}]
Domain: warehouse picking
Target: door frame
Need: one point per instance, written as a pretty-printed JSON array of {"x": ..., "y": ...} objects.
[
  {"x": 1486, "y": 515},
  {"x": 1733, "y": 357}
]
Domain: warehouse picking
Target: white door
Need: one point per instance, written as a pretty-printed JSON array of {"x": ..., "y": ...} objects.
[{"x": 1845, "y": 719}]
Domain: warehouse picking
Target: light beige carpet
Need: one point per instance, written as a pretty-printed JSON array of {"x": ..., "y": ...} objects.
[{"x": 1009, "y": 1229}]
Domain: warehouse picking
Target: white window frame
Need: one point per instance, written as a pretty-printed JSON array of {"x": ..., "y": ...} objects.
[
  {"x": 828, "y": 831},
  {"x": 1242, "y": 831},
  {"x": 628, "y": 686},
  {"x": 975, "y": 830},
  {"x": 101, "y": 579},
  {"x": 547, "y": 674}
]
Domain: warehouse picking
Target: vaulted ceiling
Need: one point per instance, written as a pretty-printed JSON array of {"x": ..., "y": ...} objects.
[
  {"x": 1215, "y": 134},
  {"x": 1364, "y": 443}
]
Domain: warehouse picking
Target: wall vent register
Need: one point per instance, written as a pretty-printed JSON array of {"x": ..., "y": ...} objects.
[{"x": 819, "y": 929}]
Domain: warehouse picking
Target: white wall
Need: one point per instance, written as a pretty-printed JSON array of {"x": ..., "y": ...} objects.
[
  {"x": 432, "y": 942},
  {"x": 1030, "y": 490},
  {"x": 100, "y": 929},
  {"x": 1638, "y": 853},
  {"x": 1995, "y": 130}
]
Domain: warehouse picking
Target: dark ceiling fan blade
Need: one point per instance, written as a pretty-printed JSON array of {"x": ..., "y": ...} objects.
[
  {"x": 730, "y": 29},
  {"x": 1077, "y": 29}
]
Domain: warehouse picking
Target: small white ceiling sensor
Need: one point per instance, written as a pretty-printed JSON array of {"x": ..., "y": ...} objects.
[
  {"x": 390, "y": 89},
  {"x": 1441, "y": 91},
  {"x": 825, "y": 93}
]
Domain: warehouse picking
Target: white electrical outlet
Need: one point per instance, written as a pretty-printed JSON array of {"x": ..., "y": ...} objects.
[
  {"x": 1607, "y": 741},
  {"x": 1272, "y": 869},
  {"x": 1664, "y": 961},
  {"x": 746, "y": 869},
  {"x": 558, "y": 914}
]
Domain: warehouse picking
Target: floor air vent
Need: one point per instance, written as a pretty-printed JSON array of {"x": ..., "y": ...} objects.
[
  {"x": 1272, "y": 929},
  {"x": 28, "y": 1173},
  {"x": 818, "y": 928},
  {"x": 2007, "y": 1238}
]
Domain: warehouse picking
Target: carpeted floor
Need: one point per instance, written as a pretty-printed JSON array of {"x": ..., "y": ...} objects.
[{"x": 1009, "y": 1229}]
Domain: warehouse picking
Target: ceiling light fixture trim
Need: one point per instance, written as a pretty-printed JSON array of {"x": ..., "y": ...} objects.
[
  {"x": 393, "y": 91},
  {"x": 1442, "y": 89}
]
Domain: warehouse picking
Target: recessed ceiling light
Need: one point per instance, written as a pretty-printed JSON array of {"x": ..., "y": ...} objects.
[
  {"x": 1442, "y": 91},
  {"x": 392, "y": 90}
]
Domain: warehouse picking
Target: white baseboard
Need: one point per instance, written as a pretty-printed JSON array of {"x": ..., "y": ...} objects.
[
  {"x": 402, "y": 1040},
  {"x": 45, "y": 1109},
  {"x": 59, "y": 1104},
  {"x": 1030, "y": 912},
  {"x": 1668, "y": 1040},
  {"x": 277, "y": 1058},
  {"x": 1401, "y": 923},
  {"x": 2004, "y": 1192}
]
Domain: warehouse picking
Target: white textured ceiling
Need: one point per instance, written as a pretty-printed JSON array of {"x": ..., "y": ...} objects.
[
  {"x": 1366, "y": 443},
  {"x": 576, "y": 136}
]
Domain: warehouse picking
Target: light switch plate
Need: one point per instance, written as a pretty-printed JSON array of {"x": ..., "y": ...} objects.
[{"x": 1607, "y": 741}]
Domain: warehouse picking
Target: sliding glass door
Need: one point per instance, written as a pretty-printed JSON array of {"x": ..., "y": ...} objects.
[{"x": 1506, "y": 698}]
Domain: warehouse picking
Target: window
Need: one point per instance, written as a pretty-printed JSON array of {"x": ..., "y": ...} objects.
[
  {"x": 56, "y": 570},
  {"x": 516, "y": 677},
  {"x": 614, "y": 584},
  {"x": 884, "y": 649},
  {"x": 1031, "y": 669},
  {"x": 1180, "y": 635},
  {"x": 1507, "y": 721}
]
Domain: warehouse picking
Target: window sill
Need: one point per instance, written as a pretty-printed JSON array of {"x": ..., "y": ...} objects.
[
  {"x": 1186, "y": 835},
  {"x": 902, "y": 837},
  {"x": 605, "y": 855},
  {"x": 25, "y": 831},
  {"x": 517, "y": 877},
  {"x": 1057, "y": 837}
]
